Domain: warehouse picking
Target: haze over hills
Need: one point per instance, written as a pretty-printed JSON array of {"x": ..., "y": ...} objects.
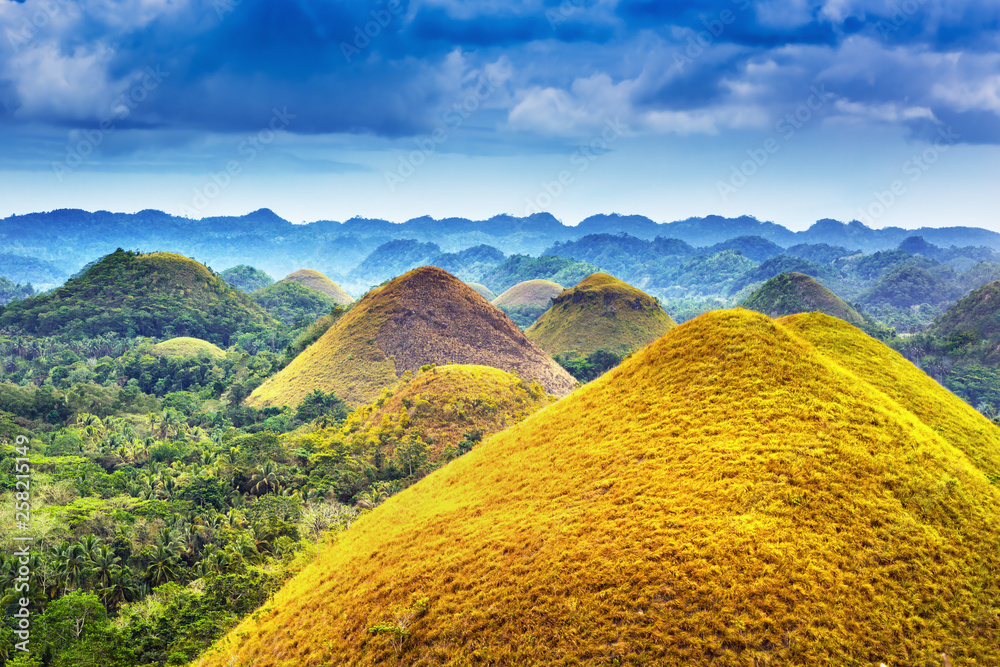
[
  {"x": 600, "y": 313},
  {"x": 682, "y": 509},
  {"x": 792, "y": 293},
  {"x": 426, "y": 316},
  {"x": 277, "y": 246}
]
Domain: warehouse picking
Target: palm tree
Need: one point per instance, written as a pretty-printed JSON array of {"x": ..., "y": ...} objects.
[
  {"x": 120, "y": 587},
  {"x": 266, "y": 479},
  {"x": 164, "y": 567}
]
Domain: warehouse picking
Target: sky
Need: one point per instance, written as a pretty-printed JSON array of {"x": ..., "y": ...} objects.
[{"x": 886, "y": 111}]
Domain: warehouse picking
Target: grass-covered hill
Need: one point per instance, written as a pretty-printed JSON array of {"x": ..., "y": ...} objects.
[
  {"x": 445, "y": 410},
  {"x": 159, "y": 294},
  {"x": 293, "y": 303},
  {"x": 532, "y": 293},
  {"x": 600, "y": 313},
  {"x": 482, "y": 290},
  {"x": 742, "y": 491},
  {"x": 426, "y": 316},
  {"x": 187, "y": 347},
  {"x": 973, "y": 324},
  {"x": 317, "y": 281},
  {"x": 526, "y": 301},
  {"x": 792, "y": 293}
]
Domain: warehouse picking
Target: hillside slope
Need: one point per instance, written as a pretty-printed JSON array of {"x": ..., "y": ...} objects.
[
  {"x": 600, "y": 313},
  {"x": 158, "y": 294},
  {"x": 740, "y": 492},
  {"x": 187, "y": 347},
  {"x": 530, "y": 293},
  {"x": 425, "y": 316},
  {"x": 441, "y": 405},
  {"x": 792, "y": 293},
  {"x": 320, "y": 283}
]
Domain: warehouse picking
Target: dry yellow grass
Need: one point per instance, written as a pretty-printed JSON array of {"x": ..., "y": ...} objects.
[
  {"x": 444, "y": 403},
  {"x": 601, "y": 312},
  {"x": 483, "y": 291},
  {"x": 321, "y": 283},
  {"x": 422, "y": 317},
  {"x": 742, "y": 492},
  {"x": 184, "y": 346},
  {"x": 528, "y": 293}
]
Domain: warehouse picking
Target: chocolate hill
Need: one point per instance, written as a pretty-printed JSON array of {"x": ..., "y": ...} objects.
[
  {"x": 601, "y": 312},
  {"x": 741, "y": 492},
  {"x": 426, "y": 316},
  {"x": 321, "y": 283},
  {"x": 792, "y": 293}
]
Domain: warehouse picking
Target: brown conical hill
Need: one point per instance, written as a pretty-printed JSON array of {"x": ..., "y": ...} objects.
[
  {"x": 530, "y": 293},
  {"x": 600, "y": 312},
  {"x": 792, "y": 293},
  {"x": 321, "y": 283},
  {"x": 741, "y": 491},
  {"x": 426, "y": 316}
]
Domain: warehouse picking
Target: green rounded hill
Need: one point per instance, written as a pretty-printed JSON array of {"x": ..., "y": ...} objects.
[
  {"x": 531, "y": 293},
  {"x": 320, "y": 283},
  {"x": 972, "y": 325},
  {"x": 601, "y": 312},
  {"x": 187, "y": 347},
  {"x": 740, "y": 492},
  {"x": 160, "y": 294},
  {"x": 426, "y": 316},
  {"x": 792, "y": 293}
]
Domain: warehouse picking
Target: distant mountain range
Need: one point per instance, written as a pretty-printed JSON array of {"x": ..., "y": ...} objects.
[{"x": 65, "y": 240}]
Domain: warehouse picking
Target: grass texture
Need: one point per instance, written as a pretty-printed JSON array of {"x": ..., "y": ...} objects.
[
  {"x": 601, "y": 312},
  {"x": 529, "y": 293},
  {"x": 792, "y": 293},
  {"x": 742, "y": 492},
  {"x": 321, "y": 283},
  {"x": 426, "y": 316},
  {"x": 187, "y": 347}
]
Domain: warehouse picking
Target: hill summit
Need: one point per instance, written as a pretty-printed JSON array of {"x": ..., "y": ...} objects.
[
  {"x": 680, "y": 510},
  {"x": 320, "y": 283},
  {"x": 601, "y": 312},
  {"x": 158, "y": 294},
  {"x": 792, "y": 293},
  {"x": 426, "y": 316},
  {"x": 532, "y": 293}
]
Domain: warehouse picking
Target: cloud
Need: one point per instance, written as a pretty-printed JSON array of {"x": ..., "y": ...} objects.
[{"x": 391, "y": 69}]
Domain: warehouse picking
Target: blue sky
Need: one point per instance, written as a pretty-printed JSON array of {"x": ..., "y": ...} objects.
[{"x": 789, "y": 110}]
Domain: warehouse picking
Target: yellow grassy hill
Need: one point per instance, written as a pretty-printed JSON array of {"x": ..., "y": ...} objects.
[
  {"x": 601, "y": 312},
  {"x": 531, "y": 293},
  {"x": 740, "y": 492},
  {"x": 422, "y": 317},
  {"x": 442, "y": 404},
  {"x": 321, "y": 283},
  {"x": 187, "y": 347}
]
